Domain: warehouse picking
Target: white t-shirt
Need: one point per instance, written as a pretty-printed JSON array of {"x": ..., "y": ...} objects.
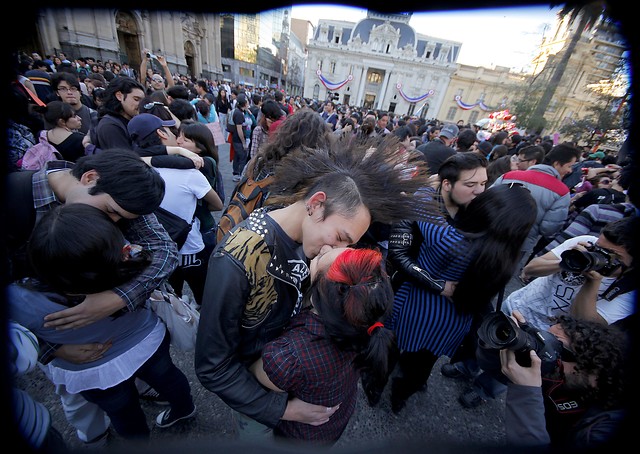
[
  {"x": 183, "y": 189},
  {"x": 550, "y": 296}
]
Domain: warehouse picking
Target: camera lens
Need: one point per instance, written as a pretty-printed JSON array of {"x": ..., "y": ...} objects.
[
  {"x": 575, "y": 260},
  {"x": 148, "y": 55},
  {"x": 499, "y": 331},
  {"x": 596, "y": 259}
]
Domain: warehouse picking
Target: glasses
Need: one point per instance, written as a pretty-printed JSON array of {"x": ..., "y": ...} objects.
[
  {"x": 524, "y": 160},
  {"x": 68, "y": 89},
  {"x": 157, "y": 80},
  {"x": 151, "y": 105}
]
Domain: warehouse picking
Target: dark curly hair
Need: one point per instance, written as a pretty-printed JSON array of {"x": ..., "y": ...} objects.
[
  {"x": 601, "y": 351},
  {"x": 305, "y": 128}
]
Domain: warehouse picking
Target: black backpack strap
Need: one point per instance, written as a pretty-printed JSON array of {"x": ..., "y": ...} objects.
[
  {"x": 20, "y": 213},
  {"x": 19, "y": 221}
]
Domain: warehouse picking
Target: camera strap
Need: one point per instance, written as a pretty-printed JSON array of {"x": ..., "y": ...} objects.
[{"x": 624, "y": 284}]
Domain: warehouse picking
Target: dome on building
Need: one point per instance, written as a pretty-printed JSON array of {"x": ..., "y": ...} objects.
[{"x": 365, "y": 26}]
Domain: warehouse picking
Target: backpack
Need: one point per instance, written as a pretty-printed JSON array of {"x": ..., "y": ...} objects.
[
  {"x": 177, "y": 228},
  {"x": 247, "y": 196},
  {"x": 36, "y": 156},
  {"x": 231, "y": 126}
]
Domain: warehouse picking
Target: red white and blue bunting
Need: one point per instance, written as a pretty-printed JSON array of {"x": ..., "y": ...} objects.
[
  {"x": 409, "y": 98},
  {"x": 480, "y": 104},
  {"x": 333, "y": 85}
]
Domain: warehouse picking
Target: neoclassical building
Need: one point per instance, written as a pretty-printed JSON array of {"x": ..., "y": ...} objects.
[
  {"x": 474, "y": 92},
  {"x": 254, "y": 49},
  {"x": 189, "y": 41},
  {"x": 383, "y": 63},
  {"x": 380, "y": 62}
]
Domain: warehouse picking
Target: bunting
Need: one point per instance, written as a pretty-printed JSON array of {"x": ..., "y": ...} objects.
[
  {"x": 410, "y": 99},
  {"x": 480, "y": 104},
  {"x": 333, "y": 85}
]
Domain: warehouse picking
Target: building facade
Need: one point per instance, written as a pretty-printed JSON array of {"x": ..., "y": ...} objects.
[
  {"x": 474, "y": 92},
  {"x": 595, "y": 59},
  {"x": 248, "y": 48},
  {"x": 380, "y": 63},
  {"x": 188, "y": 41}
]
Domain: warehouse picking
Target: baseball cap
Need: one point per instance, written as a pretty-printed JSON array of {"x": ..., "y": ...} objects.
[
  {"x": 596, "y": 155},
  {"x": 143, "y": 125},
  {"x": 449, "y": 131}
]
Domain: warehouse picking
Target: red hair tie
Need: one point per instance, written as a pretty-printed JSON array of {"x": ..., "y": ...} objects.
[{"x": 372, "y": 328}]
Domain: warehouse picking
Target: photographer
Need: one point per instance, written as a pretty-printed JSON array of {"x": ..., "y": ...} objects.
[
  {"x": 604, "y": 294},
  {"x": 577, "y": 404},
  {"x": 596, "y": 283}
]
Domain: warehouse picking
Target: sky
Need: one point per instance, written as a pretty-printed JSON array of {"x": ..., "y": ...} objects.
[{"x": 490, "y": 37}]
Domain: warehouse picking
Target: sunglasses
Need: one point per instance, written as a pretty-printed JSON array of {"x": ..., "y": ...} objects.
[{"x": 151, "y": 105}]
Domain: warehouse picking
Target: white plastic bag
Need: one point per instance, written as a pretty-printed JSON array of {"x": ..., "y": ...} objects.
[{"x": 179, "y": 314}]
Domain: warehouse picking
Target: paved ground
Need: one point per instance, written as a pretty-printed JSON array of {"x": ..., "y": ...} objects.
[{"x": 433, "y": 419}]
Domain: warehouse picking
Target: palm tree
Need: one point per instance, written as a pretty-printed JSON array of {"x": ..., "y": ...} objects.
[{"x": 588, "y": 15}]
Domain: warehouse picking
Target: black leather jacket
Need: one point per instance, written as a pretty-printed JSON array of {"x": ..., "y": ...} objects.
[
  {"x": 404, "y": 244},
  {"x": 253, "y": 288}
]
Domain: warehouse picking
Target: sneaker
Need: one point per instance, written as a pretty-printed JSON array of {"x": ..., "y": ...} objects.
[
  {"x": 151, "y": 395},
  {"x": 451, "y": 371},
  {"x": 471, "y": 399},
  {"x": 236, "y": 178},
  {"x": 166, "y": 419}
]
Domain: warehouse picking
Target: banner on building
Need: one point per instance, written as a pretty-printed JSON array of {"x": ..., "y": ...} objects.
[
  {"x": 332, "y": 86},
  {"x": 409, "y": 98},
  {"x": 480, "y": 104}
]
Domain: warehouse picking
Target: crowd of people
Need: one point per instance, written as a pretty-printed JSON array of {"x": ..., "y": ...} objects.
[{"x": 385, "y": 242}]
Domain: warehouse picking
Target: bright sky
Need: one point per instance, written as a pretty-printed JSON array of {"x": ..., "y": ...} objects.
[{"x": 490, "y": 37}]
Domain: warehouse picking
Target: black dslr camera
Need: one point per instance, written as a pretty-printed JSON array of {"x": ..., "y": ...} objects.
[
  {"x": 594, "y": 258},
  {"x": 499, "y": 331}
]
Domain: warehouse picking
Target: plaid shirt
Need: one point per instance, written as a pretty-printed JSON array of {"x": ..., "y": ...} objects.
[
  {"x": 309, "y": 366},
  {"x": 144, "y": 231}
]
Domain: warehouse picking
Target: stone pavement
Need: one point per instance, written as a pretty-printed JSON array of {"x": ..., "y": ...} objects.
[{"x": 433, "y": 419}]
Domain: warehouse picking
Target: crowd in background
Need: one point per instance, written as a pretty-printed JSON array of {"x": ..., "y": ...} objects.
[{"x": 489, "y": 206}]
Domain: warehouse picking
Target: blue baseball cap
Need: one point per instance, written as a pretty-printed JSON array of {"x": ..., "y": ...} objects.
[{"x": 143, "y": 125}]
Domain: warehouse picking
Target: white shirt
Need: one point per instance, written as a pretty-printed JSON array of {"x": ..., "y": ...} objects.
[
  {"x": 183, "y": 189},
  {"x": 551, "y": 296}
]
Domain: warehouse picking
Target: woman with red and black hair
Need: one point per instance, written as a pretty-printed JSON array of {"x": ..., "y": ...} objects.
[{"x": 341, "y": 333}]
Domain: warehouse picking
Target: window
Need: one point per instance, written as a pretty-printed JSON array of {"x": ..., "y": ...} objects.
[
  {"x": 374, "y": 77},
  {"x": 451, "y": 113}
]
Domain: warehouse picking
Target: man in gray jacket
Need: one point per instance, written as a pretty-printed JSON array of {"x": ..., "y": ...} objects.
[{"x": 552, "y": 196}]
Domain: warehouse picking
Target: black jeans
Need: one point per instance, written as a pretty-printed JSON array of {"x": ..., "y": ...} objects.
[
  {"x": 122, "y": 404},
  {"x": 194, "y": 271},
  {"x": 240, "y": 155},
  {"x": 415, "y": 368}
]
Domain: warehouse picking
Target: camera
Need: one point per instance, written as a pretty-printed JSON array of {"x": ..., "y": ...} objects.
[
  {"x": 498, "y": 331},
  {"x": 150, "y": 55},
  {"x": 594, "y": 258}
]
